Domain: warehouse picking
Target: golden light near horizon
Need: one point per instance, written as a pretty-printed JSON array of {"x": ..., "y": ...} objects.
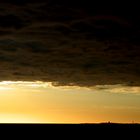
[
  {"x": 41, "y": 102},
  {"x": 17, "y": 118}
]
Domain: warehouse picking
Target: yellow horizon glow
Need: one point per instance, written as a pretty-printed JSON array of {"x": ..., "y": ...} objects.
[{"x": 41, "y": 102}]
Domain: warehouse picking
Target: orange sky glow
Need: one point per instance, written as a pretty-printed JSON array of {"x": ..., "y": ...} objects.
[{"x": 38, "y": 102}]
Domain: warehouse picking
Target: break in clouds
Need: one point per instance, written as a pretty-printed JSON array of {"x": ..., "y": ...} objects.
[{"x": 69, "y": 43}]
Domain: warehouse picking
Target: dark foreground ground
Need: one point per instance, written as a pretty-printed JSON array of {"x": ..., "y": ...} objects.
[
  {"x": 71, "y": 126},
  {"x": 105, "y": 130}
]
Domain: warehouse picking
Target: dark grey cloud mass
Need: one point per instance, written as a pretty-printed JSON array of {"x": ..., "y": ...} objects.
[{"x": 69, "y": 43}]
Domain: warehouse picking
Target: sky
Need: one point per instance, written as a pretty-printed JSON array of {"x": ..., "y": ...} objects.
[
  {"x": 39, "y": 102},
  {"x": 69, "y": 62}
]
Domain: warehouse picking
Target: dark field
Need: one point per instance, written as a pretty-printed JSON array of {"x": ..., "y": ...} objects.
[{"x": 72, "y": 131}]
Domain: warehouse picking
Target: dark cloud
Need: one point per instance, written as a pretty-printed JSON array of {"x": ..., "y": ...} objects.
[{"x": 69, "y": 43}]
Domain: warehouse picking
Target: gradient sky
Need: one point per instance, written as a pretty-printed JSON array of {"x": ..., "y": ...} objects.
[
  {"x": 38, "y": 102},
  {"x": 86, "y": 57}
]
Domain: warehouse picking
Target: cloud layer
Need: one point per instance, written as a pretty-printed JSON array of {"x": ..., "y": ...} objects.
[{"x": 69, "y": 43}]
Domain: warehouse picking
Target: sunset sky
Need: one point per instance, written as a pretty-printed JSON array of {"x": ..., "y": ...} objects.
[
  {"x": 62, "y": 61},
  {"x": 38, "y": 102}
]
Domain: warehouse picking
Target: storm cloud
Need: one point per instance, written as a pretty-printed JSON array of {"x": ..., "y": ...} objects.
[{"x": 69, "y": 43}]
